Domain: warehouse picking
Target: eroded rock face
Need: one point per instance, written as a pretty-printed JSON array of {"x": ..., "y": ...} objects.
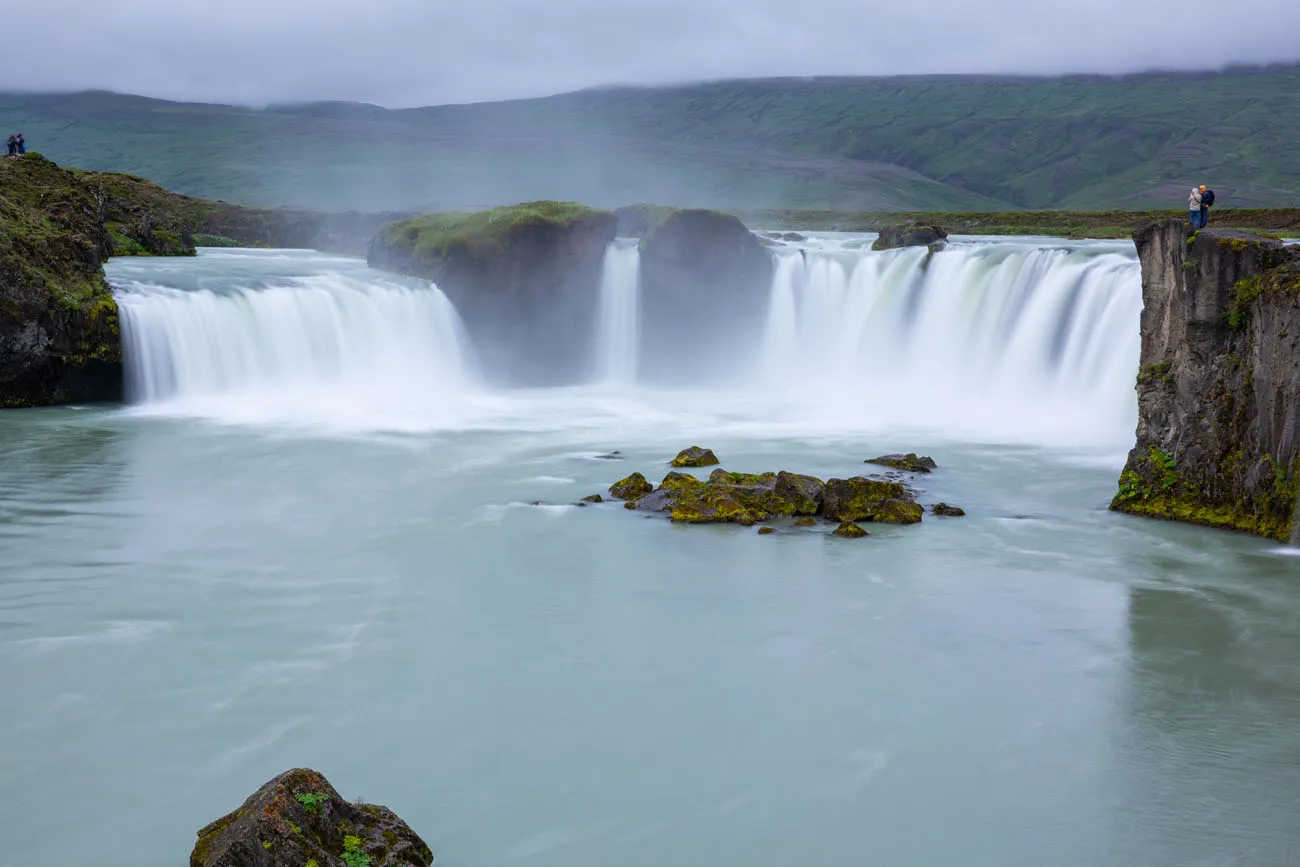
[
  {"x": 1218, "y": 435},
  {"x": 525, "y": 281},
  {"x": 892, "y": 237},
  {"x": 700, "y": 268},
  {"x": 299, "y": 820},
  {"x": 909, "y": 462},
  {"x": 695, "y": 457}
]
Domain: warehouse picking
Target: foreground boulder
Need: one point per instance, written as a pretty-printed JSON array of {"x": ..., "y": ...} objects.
[
  {"x": 1218, "y": 435},
  {"x": 893, "y": 237},
  {"x": 909, "y": 462},
  {"x": 634, "y": 487},
  {"x": 525, "y": 280},
  {"x": 299, "y": 820},
  {"x": 699, "y": 268},
  {"x": 849, "y": 530},
  {"x": 944, "y": 510}
]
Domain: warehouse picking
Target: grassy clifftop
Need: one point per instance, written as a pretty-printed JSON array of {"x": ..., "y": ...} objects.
[{"x": 423, "y": 240}]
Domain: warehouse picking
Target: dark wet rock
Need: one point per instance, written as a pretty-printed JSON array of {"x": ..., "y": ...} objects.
[
  {"x": 849, "y": 530},
  {"x": 722, "y": 477},
  {"x": 594, "y": 498},
  {"x": 892, "y": 237},
  {"x": 634, "y": 487},
  {"x": 947, "y": 511},
  {"x": 909, "y": 462},
  {"x": 804, "y": 493},
  {"x": 898, "y": 511},
  {"x": 299, "y": 820},
  {"x": 630, "y": 504},
  {"x": 713, "y": 505},
  {"x": 615, "y": 455},
  {"x": 860, "y": 499},
  {"x": 695, "y": 457},
  {"x": 525, "y": 280},
  {"x": 805, "y": 522},
  {"x": 766, "y": 531},
  {"x": 699, "y": 268}
]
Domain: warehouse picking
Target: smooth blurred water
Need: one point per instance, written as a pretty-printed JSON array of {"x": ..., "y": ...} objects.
[{"x": 197, "y": 594}]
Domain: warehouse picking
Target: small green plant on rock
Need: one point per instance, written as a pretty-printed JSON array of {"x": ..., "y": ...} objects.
[
  {"x": 311, "y": 801},
  {"x": 352, "y": 854}
]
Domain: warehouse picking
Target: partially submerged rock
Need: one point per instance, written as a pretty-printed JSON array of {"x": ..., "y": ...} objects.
[
  {"x": 909, "y": 462},
  {"x": 805, "y": 522},
  {"x": 947, "y": 511},
  {"x": 593, "y": 498},
  {"x": 695, "y": 457},
  {"x": 766, "y": 531},
  {"x": 299, "y": 820},
  {"x": 849, "y": 530},
  {"x": 892, "y": 237},
  {"x": 859, "y": 499},
  {"x": 634, "y": 487}
]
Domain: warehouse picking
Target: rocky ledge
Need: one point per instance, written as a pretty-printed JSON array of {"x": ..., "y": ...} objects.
[
  {"x": 1218, "y": 436},
  {"x": 299, "y": 820},
  {"x": 748, "y": 498}
]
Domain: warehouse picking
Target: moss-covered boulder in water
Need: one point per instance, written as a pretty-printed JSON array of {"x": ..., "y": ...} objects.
[
  {"x": 805, "y": 522},
  {"x": 713, "y": 505},
  {"x": 849, "y": 530},
  {"x": 947, "y": 511},
  {"x": 897, "y": 512},
  {"x": 892, "y": 237},
  {"x": 299, "y": 820},
  {"x": 909, "y": 462},
  {"x": 634, "y": 487},
  {"x": 859, "y": 499},
  {"x": 525, "y": 279},
  {"x": 695, "y": 457}
]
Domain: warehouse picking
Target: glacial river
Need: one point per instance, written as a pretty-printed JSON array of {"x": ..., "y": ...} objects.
[{"x": 308, "y": 541}]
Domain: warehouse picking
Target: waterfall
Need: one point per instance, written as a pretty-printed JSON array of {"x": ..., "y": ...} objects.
[
  {"x": 339, "y": 342},
  {"x": 994, "y": 338},
  {"x": 617, "y": 332}
]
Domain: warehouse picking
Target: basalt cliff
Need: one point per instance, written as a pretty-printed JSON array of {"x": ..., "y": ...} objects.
[{"x": 1218, "y": 437}]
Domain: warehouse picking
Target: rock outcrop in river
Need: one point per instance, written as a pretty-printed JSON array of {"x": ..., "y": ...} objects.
[
  {"x": 525, "y": 280},
  {"x": 1218, "y": 437},
  {"x": 705, "y": 280},
  {"x": 892, "y": 237},
  {"x": 299, "y": 820}
]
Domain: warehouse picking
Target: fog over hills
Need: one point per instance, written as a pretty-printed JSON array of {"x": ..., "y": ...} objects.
[{"x": 885, "y": 143}]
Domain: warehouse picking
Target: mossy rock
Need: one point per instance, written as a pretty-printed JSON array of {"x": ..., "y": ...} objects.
[
  {"x": 898, "y": 511},
  {"x": 849, "y": 530},
  {"x": 766, "y": 531},
  {"x": 594, "y": 498},
  {"x": 713, "y": 506},
  {"x": 632, "y": 488},
  {"x": 859, "y": 499},
  {"x": 909, "y": 462},
  {"x": 298, "y": 819},
  {"x": 947, "y": 511},
  {"x": 805, "y": 522},
  {"x": 431, "y": 238},
  {"x": 722, "y": 477},
  {"x": 695, "y": 457}
]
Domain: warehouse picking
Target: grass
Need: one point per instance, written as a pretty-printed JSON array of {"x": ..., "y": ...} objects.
[
  {"x": 435, "y": 235},
  {"x": 943, "y": 143}
]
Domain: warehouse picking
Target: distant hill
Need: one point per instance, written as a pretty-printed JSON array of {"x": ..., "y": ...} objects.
[{"x": 953, "y": 143}]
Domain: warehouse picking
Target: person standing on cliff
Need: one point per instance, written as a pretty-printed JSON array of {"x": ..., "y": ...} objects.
[
  {"x": 12, "y": 144},
  {"x": 1207, "y": 201},
  {"x": 1194, "y": 208},
  {"x": 22, "y": 144}
]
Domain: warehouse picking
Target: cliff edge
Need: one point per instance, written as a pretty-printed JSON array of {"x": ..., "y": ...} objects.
[{"x": 1218, "y": 437}]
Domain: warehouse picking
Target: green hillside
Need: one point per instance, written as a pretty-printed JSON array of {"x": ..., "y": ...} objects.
[{"x": 953, "y": 143}]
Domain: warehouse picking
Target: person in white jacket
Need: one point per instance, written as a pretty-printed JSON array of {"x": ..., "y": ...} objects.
[{"x": 1194, "y": 208}]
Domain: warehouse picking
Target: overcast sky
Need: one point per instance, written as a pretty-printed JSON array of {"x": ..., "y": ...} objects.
[{"x": 419, "y": 52}]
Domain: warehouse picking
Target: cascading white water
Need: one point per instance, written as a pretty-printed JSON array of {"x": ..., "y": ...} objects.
[
  {"x": 340, "y": 342},
  {"x": 993, "y": 338},
  {"x": 617, "y": 333}
]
